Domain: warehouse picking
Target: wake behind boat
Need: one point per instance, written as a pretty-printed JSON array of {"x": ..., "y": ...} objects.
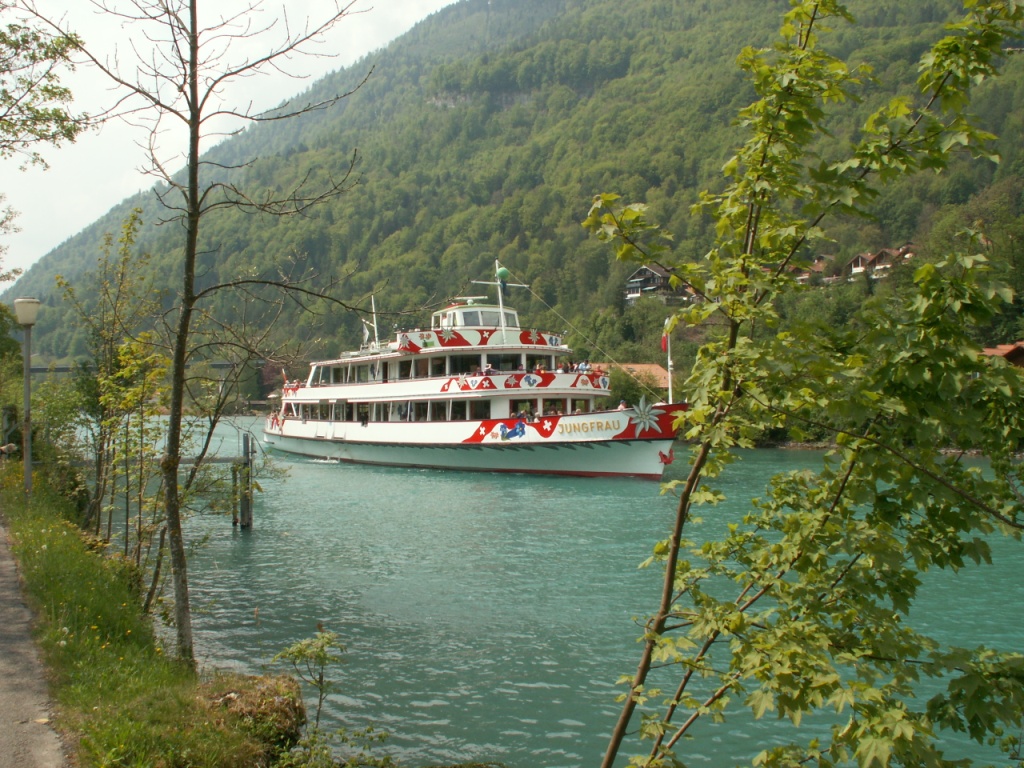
[{"x": 475, "y": 391}]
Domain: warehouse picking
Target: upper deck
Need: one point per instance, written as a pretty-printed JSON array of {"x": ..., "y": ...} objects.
[
  {"x": 471, "y": 315},
  {"x": 462, "y": 327}
]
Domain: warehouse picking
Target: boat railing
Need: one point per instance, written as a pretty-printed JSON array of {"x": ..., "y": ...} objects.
[{"x": 595, "y": 373}]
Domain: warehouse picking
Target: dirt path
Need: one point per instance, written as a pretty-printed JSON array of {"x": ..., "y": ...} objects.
[{"x": 26, "y": 738}]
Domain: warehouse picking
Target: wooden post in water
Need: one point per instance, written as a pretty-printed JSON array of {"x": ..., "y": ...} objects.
[
  {"x": 245, "y": 497},
  {"x": 235, "y": 503}
]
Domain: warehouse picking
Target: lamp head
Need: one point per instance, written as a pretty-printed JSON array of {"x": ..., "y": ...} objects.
[{"x": 26, "y": 309}]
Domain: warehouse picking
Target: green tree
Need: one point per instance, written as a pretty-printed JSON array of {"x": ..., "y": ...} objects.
[
  {"x": 115, "y": 304},
  {"x": 33, "y": 103},
  {"x": 804, "y": 604},
  {"x": 184, "y": 78}
]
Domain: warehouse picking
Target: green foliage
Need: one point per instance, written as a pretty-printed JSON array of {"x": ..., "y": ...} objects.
[
  {"x": 805, "y": 605},
  {"x": 33, "y": 102},
  {"x": 123, "y": 388},
  {"x": 310, "y": 660},
  {"x": 316, "y": 750},
  {"x": 11, "y": 381},
  {"x": 32, "y": 99}
]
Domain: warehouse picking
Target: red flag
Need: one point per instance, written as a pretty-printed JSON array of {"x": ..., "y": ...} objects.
[{"x": 664, "y": 335}]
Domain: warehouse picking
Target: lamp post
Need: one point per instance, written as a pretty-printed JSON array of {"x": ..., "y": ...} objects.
[{"x": 26, "y": 309}]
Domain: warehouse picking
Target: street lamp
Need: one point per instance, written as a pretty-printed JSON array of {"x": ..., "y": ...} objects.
[{"x": 26, "y": 309}]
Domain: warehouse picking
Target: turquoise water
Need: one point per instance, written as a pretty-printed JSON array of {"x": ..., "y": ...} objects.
[{"x": 488, "y": 617}]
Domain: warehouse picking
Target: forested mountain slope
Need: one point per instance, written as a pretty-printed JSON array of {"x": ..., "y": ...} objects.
[{"x": 485, "y": 131}]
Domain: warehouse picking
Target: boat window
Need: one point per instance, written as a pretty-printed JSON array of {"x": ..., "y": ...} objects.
[
  {"x": 505, "y": 362},
  {"x": 336, "y": 375},
  {"x": 470, "y": 317},
  {"x": 462, "y": 364},
  {"x": 479, "y": 409},
  {"x": 399, "y": 411},
  {"x": 544, "y": 362},
  {"x": 581, "y": 406},
  {"x": 553, "y": 407},
  {"x": 422, "y": 368},
  {"x": 490, "y": 317},
  {"x": 439, "y": 410},
  {"x": 511, "y": 321},
  {"x": 437, "y": 366},
  {"x": 525, "y": 407},
  {"x": 420, "y": 411},
  {"x": 405, "y": 369},
  {"x": 459, "y": 412}
]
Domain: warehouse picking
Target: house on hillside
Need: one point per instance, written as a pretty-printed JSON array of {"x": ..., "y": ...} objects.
[
  {"x": 652, "y": 372},
  {"x": 815, "y": 269},
  {"x": 653, "y": 281},
  {"x": 1011, "y": 353},
  {"x": 877, "y": 264}
]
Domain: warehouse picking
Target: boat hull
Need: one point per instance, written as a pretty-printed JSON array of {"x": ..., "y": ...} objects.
[
  {"x": 610, "y": 458},
  {"x": 635, "y": 442}
]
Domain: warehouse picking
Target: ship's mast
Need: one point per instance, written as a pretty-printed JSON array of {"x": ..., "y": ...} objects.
[
  {"x": 373, "y": 308},
  {"x": 502, "y": 284}
]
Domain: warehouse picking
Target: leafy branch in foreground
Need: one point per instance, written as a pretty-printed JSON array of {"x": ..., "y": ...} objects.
[
  {"x": 310, "y": 660},
  {"x": 825, "y": 566}
]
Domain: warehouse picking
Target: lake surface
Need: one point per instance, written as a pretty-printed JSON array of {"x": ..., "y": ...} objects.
[{"x": 488, "y": 617}]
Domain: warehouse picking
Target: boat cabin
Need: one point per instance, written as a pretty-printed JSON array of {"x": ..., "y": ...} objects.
[{"x": 470, "y": 316}]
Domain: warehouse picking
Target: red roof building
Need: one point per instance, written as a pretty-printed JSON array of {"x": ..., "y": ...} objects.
[
  {"x": 656, "y": 372},
  {"x": 1011, "y": 353}
]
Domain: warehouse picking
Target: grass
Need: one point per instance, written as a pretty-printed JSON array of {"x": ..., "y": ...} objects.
[{"x": 121, "y": 701}]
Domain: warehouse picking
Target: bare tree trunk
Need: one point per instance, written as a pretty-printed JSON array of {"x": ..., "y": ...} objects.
[
  {"x": 172, "y": 457},
  {"x": 157, "y": 570}
]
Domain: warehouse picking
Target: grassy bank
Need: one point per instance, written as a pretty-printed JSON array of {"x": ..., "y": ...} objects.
[{"x": 120, "y": 700}]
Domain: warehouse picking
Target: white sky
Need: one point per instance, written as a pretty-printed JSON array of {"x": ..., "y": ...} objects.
[{"x": 89, "y": 177}]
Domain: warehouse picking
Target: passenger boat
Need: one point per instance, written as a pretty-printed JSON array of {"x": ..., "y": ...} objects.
[{"x": 475, "y": 391}]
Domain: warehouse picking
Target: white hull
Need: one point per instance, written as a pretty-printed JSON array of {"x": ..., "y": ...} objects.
[{"x": 594, "y": 458}]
